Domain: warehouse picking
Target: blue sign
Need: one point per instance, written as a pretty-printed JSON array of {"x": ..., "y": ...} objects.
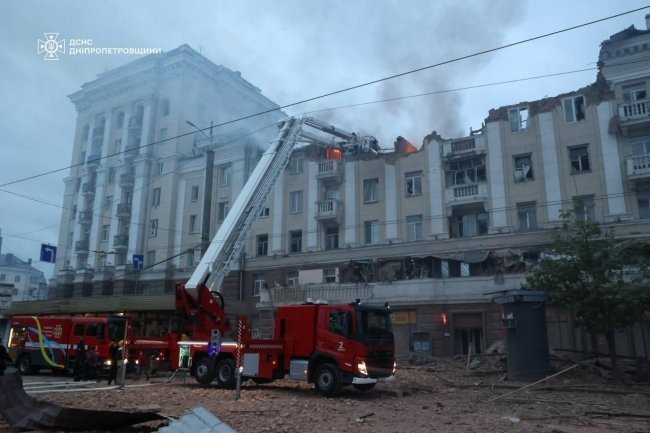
[
  {"x": 138, "y": 261},
  {"x": 48, "y": 253}
]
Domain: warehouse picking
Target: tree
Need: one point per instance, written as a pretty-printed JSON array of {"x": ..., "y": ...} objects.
[{"x": 603, "y": 281}]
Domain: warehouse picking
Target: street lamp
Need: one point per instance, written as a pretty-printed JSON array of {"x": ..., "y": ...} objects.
[{"x": 207, "y": 196}]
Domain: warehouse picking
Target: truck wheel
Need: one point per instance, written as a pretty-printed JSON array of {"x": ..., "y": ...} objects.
[
  {"x": 363, "y": 386},
  {"x": 226, "y": 373},
  {"x": 24, "y": 364},
  {"x": 327, "y": 380},
  {"x": 202, "y": 371}
]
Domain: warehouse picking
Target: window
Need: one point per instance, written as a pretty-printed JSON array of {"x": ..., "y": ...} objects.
[
  {"x": 584, "y": 208},
  {"x": 190, "y": 258},
  {"x": 329, "y": 275},
  {"x": 370, "y": 190},
  {"x": 465, "y": 171},
  {"x": 579, "y": 156},
  {"x": 164, "y": 107},
  {"x": 634, "y": 93},
  {"x": 296, "y": 164},
  {"x": 194, "y": 195},
  {"x": 518, "y": 118},
  {"x": 295, "y": 241},
  {"x": 574, "y": 109},
  {"x": 414, "y": 227},
  {"x": 192, "y": 224},
  {"x": 527, "y": 216},
  {"x": 295, "y": 201},
  {"x": 162, "y": 134},
  {"x": 111, "y": 175},
  {"x": 413, "y": 183},
  {"x": 225, "y": 175},
  {"x": 472, "y": 224},
  {"x": 120, "y": 120},
  {"x": 153, "y": 228},
  {"x": 523, "y": 168},
  {"x": 105, "y": 230},
  {"x": 258, "y": 284},
  {"x": 17, "y": 279},
  {"x": 643, "y": 201},
  {"x": 155, "y": 202},
  {"x": 371, "y": 232},
  {"x": 641, "y": 147},
  {"x": 340, "y": 322},
  {"x": 222, "y": 210},
  {"x": 159, "y": 168},
  {"x": 292, "y": 279},
  {"x": 108, "y": 202},
  {"x": 331, "y": 238},
  {"x": 264, "y": 212},
  {"x": 3, "y": 277},
  {"x": 117, "y": 146},
  {"x": 77, "y": 185},
  {"x": 262, "y": 245},
  {"x": 151, "y": 258}
]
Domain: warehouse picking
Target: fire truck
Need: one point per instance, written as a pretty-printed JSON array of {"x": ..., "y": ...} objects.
[
  {"x": 328, "y": 345},
  {"x": 37, "y": 342}
]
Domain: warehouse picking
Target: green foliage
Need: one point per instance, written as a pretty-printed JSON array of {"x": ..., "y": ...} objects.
[{"x": 602, "y": 280}]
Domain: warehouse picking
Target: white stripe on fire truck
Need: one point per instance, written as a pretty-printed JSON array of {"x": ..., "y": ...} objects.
[{"x": 264, "y": 346}]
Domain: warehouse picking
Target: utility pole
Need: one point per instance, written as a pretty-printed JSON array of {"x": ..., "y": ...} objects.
[{"x": 207, "y": 193}]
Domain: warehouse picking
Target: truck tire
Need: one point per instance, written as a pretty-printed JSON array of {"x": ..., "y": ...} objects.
[
  {"x": 327, "y": 380},
  {"x": 24, "y": 364},
  {"x": 226, "y": 373},
  {"x": 363, "y": 386},
  {"x": 202, "y": 372}
]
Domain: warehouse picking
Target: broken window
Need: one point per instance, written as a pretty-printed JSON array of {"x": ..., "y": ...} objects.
[
  {"x": 262, "y": 245},
  {"x": 223, "y": 209},
  {"x": 518, "y": 118},
  {"x": 634, "y": 93},
  {"x": 527, "y": 216},
  {"x": 523, "y": 168},
  {"x": 579, "y": 156},
  {"x": 413, "y": 183},
  {"x": 641, "y": 147},
  {"x": 295, "y": 240},
  {"x": 465, "y": 171},
  {"x": 370, "y": 193},
  {"x": 574, "y": 109}
]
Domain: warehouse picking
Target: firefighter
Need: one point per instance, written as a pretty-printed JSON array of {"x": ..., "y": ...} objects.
[
  {"x": 4, "y": 358},
  {"x": 114, "y": 352},
  {"x": 79, "y": 369}
]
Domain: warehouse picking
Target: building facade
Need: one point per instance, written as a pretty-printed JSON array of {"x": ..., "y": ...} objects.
[
  {"x": 25, "y": 282},
  {"x": 437, "y": 232}
]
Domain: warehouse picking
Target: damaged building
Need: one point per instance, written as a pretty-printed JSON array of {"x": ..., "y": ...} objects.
[{"x": 434, "y": 230}]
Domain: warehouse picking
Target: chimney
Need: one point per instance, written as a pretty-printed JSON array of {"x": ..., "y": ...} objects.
[{"x": 647, "y": 21}]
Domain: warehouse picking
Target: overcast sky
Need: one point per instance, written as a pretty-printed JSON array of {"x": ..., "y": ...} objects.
[{"x": 291, "y": 50}]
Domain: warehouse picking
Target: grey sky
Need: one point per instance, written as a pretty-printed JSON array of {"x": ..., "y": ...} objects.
[{"x": 291, "y": 50}]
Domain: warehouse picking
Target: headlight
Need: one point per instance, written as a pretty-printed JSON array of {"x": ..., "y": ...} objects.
[
  {"x": 361, "y": 368},
  {"x": 394, "y": 366}
]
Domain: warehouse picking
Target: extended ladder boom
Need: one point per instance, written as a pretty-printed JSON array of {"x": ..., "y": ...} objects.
[{"x": 226, "y": 245}]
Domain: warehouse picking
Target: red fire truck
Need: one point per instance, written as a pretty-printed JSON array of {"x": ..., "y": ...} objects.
[{"x": 37, "y": 342}]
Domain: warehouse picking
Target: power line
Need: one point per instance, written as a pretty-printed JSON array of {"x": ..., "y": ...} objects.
[{"x": 347, "y": 89}]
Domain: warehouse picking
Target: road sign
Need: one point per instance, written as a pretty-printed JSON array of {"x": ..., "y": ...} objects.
[
  {"x": 138, "y": 261},
  {"x": 48, "y": 253}
]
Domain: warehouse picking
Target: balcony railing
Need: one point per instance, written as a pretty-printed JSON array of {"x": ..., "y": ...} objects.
[
  {"x": 81, "y": 245},
  {"x": 124, "y": 210},
  {"x": 329, "y": 210},
  {"x": 466, "y": 193},
  {"x": 635, "y": 110},
  {"x": 121, "y": 241},
  {"x": 460, "y": 147},
  {"x": 329, "y": 169},
  {"x": 86, "y": 217},
  {"x": 88, "y": 188},
  {"x": 127, "y": 179},
  {"x": 93, "y": 160},
  {"x": 638, "y": 166}
]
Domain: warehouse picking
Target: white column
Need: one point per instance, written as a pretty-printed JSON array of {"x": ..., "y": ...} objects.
[
  {"x": 391, "y": 202},
  {"x": 350, "y": 205},
  {"x": 312, "y": 207},
  {"x": 277, "y": 213},
  {"x": 178, "y": 228},
  {"x": 99, "y": 193},
  {"x": 496, "y": 180},
  {"x": 611, "y": 167},
  {"x": 551, "y": 169},
  {"x": 139, "y": 222},
  {"x": 437, "y": 203}
]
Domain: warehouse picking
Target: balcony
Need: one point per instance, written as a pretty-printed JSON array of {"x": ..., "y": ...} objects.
[
  {"x": 634, "y": 117},
  {"x": 638, "y": 167},
  {"x": 86, "y": 217},
  {"x": 329, "y": 211},
  {"x": 93, "y": 160},
  {"x": 132, "y": 149},
  {"x": 81, "y": 246},
  {"x": 462, "y": 194},
  {"x": 135, "y": 122},
  {"x": 124, "y": 210},
  {"x": 469, "y": 146},
  {"x": 127, "y": 180},
  {"x": 330, "y": 171},
  {"x": 88, "y": 188},
  {"x": 120, "y": 241}
]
